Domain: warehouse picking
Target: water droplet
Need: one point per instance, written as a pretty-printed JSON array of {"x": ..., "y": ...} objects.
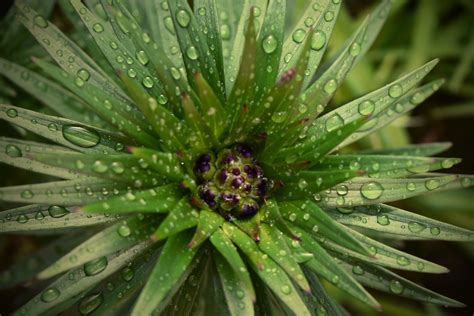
[
  {"x": 417, "y": 98},
  {"x": 435, "y": 231},
  {"x": 465, "y": 182},
  {"x": 225, "y": 32},
  {"x": 142, "y": 57},
  {"x": 183, "y": 18},
  {"x": 342, "y": 190},
  {"x": 354, "y": 50},
  {"x": 328, "y": 16},
  {"x": 403, "y": 261},
  {"x": 415, "y": 227},
  {"x": 50, "y": 294},
  {"x": 321, "y": 311},
  {"x": 411, "y": 186},
  {"x": 98, "y": 28},
  {"x": 90, "y": 303},
  {"x": 269, "y": 44},
  {"x": 99, "y": 166},
  {"x": 318, "y": 40},
  {"x": 12, "y": 113},
  {"x": 13, "y": 151},
  {"x": 40, "y": 21},
  {"x": 192, "y": 53},
  {"x": 57, "y": 211},
  {"x": 83, "y": 74},
  {"x": 371, "y": 190},
  {"x": 286, "y": 289},
  {"x": 127, "y": 274},
  {"x": 202, "y": 11},
  {"x": 396, "y": 287},
  {"x": 22, "y": 219},
  {"x": 298, "y": 35},
  {"x": 357, "y": 270},
  {"x": 81, "y": 136},
  {"x": 335, "y": 279},
  {"x": 131, "y": 73},
  {"x": 240, "y": 294},
  {"x": 302, "y": 183},
  {"x": 27, "y": 194},
  {"x": 117, "y": 167},
  {"x": 95, "y": 266},
  {"x": 395, "y": 91},
  {"x": 447, "y": 163},
  {"x": 366, "y": 108},
  {"x": 333, "y": 122},
  {"x": 432, "y": 184},
  {"x": 330, "y": 86},
  {"x": 124, "y": 230},
  {"x": 279, "y": 117},
  {"x": 383, "y": 220},
  {"x": 148, "y": 82}
]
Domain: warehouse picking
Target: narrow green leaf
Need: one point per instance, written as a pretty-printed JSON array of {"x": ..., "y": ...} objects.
[
  {"x": 155, "y": 200},
  {"x": 268, "y": 271},
  {"x": 165, "y": 164},
  {"x": 209, "y": 222},
  {"x": 47, "y": 218},
  {"x": 172, "y": 268},
  {"x": 308, "y": 216},
  {"x": 367, "y": 191},
  {"x": 181, "y": 217},
  {"x": 197, "y": 128},
  {"x": 326, "y": 267},
  {"x": 238, "y": 300},
  {"x": 272, "y": 242},
  {"x": 271, "y": 215},
  {"x": 72, "y": 134},
  {"x": 225, "y": 247},
  {"x": 418, "y": 150},
  {"x": 72, "y": 284},
  {"x": 400, "y": 222},
  {"x": 67, "y": 193},
  {"x": 382, "y": 279},
  {"x": 124, "y": 234}
]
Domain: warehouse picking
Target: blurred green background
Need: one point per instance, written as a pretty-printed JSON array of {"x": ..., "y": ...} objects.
[{"x": 416, "y": 32}]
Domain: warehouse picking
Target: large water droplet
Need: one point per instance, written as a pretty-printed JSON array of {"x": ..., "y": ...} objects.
[
  {"x": 50, "y": 294},
  {"x": 98, "y": 28},
  {"x": 395, "y": 91},
  {"x": 415, "y": 227},
  {"x": 403, "y": 261},
  {"x": 432, "y": 184},
  {"x": 396, "y": 287},
  {"x": 147, "y": 82},
  {"x": 435, "y": 231},
  {"x": 383, "y": 220},
  {"x": 183, "y": 18},
  {"x": 298, "y": 35},
  {"x": 57, "y": 211},
  {"x": 192, "y": 53},
  {"x": 12, "y": 113},
  {"x": 124, "y": 230},
  {"x": 95, "y": 266},
  {"x": 13, "y": 151},
  {"x": 40, "y": 21},
  {"x": 81, "y": 136},
  {"x": 286, "y": 289},
  {"x": 269, "y": 44},
  {"x": 142, "y": 57},
  {"x": 330, "y": 86},
  {"x": 99, "y": 166},
  {"x": 318, "y": 40},
  {"x": 333, "y": 122},
  {"x": 354, "y": 50},
  {"x": 279, "y": 117},
  {"x": 357, "y": 270},
  {"x": 371, "y": 190},
  {"x": 83, "y": 74},
  {"x": 366, "y": 108},
  {"x": 27, "y": 194},
  {"x": 127, "y": 274}
]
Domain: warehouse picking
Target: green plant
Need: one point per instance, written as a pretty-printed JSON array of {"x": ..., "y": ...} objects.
[{"x": 217, "y": 144}]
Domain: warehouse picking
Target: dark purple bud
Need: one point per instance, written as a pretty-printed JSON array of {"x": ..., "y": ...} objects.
[
  {"x": 237, "y": 182},
  {"x": 208, "y": 197},
  {"x": 203, "y": 167},
  {"x": 248, "y": 210},
  {"x": 250, "y": 171},
  {"x": 248, "y": 188},
  {"x": 262, "y": 187},
  {"x": 223, "y": 175},
  {"x": 243, "y": 150},
  {"x": 230, "y": 198},
  {"x": 228, "y": 159},
  {"x": 236, "y": 171}
]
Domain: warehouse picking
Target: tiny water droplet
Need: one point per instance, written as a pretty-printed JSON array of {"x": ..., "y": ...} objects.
[
  {"x": 50, "y": 294},
  {"x": 40, "y": 21},
  {"x": 435, "y": 231},
  {"x": 13, "y": 151},
  {"x": 148, "y": 82},
  {"x": 142, "y": 57},
  {"x": 354, "y": 50},
  {"x": 225, "y": 32},
  {"x": 357, "y": 270},
  {"x": 328, "y": 16},
  {"x": 411, "y": 186},
  {"x": 117, "y": 167},
  {"x": 57, "y": 211},
  {"x": 286, "y": 289},
  {"x": 383, "y": 220},
  {"x": 403, "y": 261},
  {"x": 279, "y": 117},
  {"x": 366, "y": 108},
  {"x": 83, "y": 74},
  {"x": 81, "y": 136},
  {"x": 432, "y": 184},
  {"x": 298, "y": 35},
  {"x": 99, "y": 166},
  {"x": 318, "y": 40},
  {"x": 90, "y": 303},
  {"x": 192, "y": 53},
  {"x": 124, "y": 230},
  {"x": 330, "y": 86},
  {"x": 12, "y": 113},
  {"x": 415, "y": 227},
  {"x": 333, "y": 122},
  {"x": 371, "y": 190},
  {"x": 98, "y": 28},
  {"x": 27, "y": 194},
  {"x": 127, "y": 274},
  {"x": 396, "y": 287}
]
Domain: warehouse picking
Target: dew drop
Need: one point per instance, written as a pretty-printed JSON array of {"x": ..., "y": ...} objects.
[
  {"x": 98, "y": 28},
  {"x": 395, "y": 91},
  {"x": 403, "y": 261},
  {"x": 432, "y": 184},
  {"x": 40, "y": 21},
  {"x": 330, "y": 86},
  {"x": 435, "y": 231},
  {"x": 318, "y": 40},
  {"x": 366, "y": 108},
  {"x": 465, "y": 182},
  {"x": 371, "y": 190},
  {"x": 124, "y": 230},
  {"x": 12, "y": 113},
  {"x": 415, "y": 227},
  {"x": 333, "y": 122},
  {"x": 95, "y": 266},
  {"x": 83, "y": 74},
  {"x": 411, "y": 186},
  {"x": 328, "y": 16},
  {"x": 127, "y": 274},
  {"x": 148, "y": 82},
  {"x": 192, "y": 53},
  {"x": 298, "y": 35},
  {"x": 99, "y": 166},
  {"x": 90, "y": 303},
  {"x": 81, "y": 136},
  {"x": 27, "y": 194},
  {"x": 22, "y": 219},
  {"x": 13, "y": 151},
  {"x": 142, "y": 57},
  {"x": 57, "y": 211},
  {"x": 383, "y": 220},
  {"x": 269, "y": 44},
  {"x": 50, "y": 294},
  {"x": 225, "y": 32},
  {"x": 183, "y": 18},
  {"x": 279, "y": 117},
  {"x": 396, "y": 287},
  {"x": 286, "y": 289},
  {"x": 117, "y": 167},
  {"x": 354, "y": 50},
  {"x": 357, "y": 270}
]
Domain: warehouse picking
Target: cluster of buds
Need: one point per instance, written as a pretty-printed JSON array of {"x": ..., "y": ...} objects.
[{"x": 231, "y": 182}]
